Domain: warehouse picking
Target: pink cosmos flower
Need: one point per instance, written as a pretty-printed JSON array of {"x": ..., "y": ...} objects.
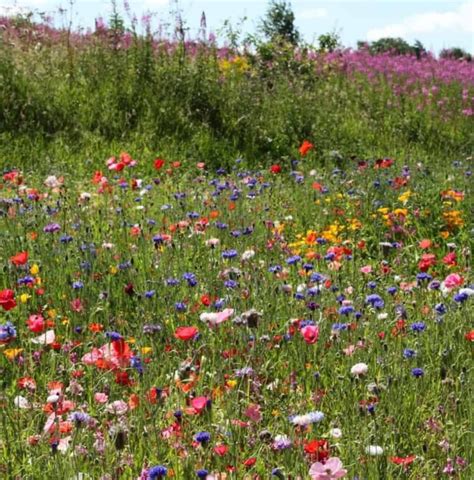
[
  {"x": 330, "y": 470},
  {"x": 366, "y": 269}
]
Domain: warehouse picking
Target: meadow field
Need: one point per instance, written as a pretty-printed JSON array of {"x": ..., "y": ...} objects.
[{"x": 233, "y": 262}]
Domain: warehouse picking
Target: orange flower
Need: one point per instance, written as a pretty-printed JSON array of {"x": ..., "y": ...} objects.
[
  {"x": 19, "y": 259},
  {"x": 305, "y": 148}
]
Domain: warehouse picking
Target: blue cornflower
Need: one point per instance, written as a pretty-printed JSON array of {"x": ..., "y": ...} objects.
[
  {"x": 418, "y": 326},
  {"x": 392, "y": 290},
  {"x": 317, "y": 277},
  {"x": 417, "y": 372},
  {"x": 293, "y": 260},
  {"x": 77, "y": 285},
  {"x": 114, "y": 336},
  {"x": 346, "y": 310},
  {"x": 158, "y": 472},
  {"x": 202, "y": 473},
  {"x": 149, "y": 293},
  {"x": 375, "y": 300},
  {"x": 202, "y": 437},
  {"x": 227, "y": 254},
  {"x": 230, "y": 284},
  {"x": 409, "y": 353},
  {"x": 180, "y": 306},
  {"x": 440, "y": 308}
]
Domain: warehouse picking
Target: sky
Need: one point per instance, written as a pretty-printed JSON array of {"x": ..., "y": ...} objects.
[{"x": 437, "y": 24}]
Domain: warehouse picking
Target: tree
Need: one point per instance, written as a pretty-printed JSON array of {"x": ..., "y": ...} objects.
[
  {"x": 279, "y": 23},
  {"x": 455, "y": 53},
  {"x": 328, "y": 42}
]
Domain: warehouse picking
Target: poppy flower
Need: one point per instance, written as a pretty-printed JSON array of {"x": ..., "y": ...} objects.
[
  {"x": 275, "y": 169},
  {"x": 19, "y": 259},
  {"x": 36, "y": 323},
  {"x": 317, "y": 449},
  {"x": 310, "y": 333},
  {"x": 403, "y": 460},
  {"x": 305, "y": 147},
  {"x": 158, "y": 163},
  {"x": 221, "y": 450},
  {"x": 186, "y": 333},
  {"x": 330, "y": 470},
  {"x": 7, "y": 299}
]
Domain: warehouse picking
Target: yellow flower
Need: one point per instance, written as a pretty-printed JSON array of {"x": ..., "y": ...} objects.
[
  {"x": 12, "y": 353},
  {"x": 146, "y": 350},
  {"x": 405, "y": 196},
  {"x": 131, "y": 340},
  {"x": 52, "y": 313},
  {"x": 113, "y": 270},
  {"x": 24, "y": 297},
  {"x": 231, "y": 383},
  {"x": 34, "y": 270}
]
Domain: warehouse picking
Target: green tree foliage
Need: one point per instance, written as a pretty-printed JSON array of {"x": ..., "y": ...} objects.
[{"x": 279, "y": 23}]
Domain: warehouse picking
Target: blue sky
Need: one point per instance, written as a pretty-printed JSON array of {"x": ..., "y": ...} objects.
[{"x": 436, "y": 23}]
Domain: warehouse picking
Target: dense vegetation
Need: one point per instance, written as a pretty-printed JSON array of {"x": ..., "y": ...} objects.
[{"x": 82, "y": 95}]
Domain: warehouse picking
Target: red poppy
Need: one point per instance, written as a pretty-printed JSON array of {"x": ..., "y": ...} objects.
[
  {"x": 26, "y": 383},
  {"x": 383, "y": 163},
  {"x": 305, "y": 148},
  {"x": 469, "y": 336},
  {"x": 250, "y": 462},
  {"x": 97, "y": 178},
  {"x": 158, "y": 163},
  {"x": 199, "y": 404},
  {"x": 427, "y": 261},
  {"x": 275, "y": 169},
  {"x": 186, "y": 333},
  {"x": 7, "y": 299},
  {"x": 36, "y": 323},
  {"x": 402, "y": 460},
  {"x": 450, "y": 259},
  {"x": 221, "y": 450},
  {"x": 317, "y": 449},
  {"x": 19, "y": 259}
]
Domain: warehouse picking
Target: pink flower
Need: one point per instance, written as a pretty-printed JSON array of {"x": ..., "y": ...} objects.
[
  {"x": 100, "y": 397},
  {"x": 328, "y": 471},
  {"x": 453, "y": 280},
  {"x": 366, "y": 269},
  {"x": 253, "y": 412},
  {"x": 310, "y": 333}
]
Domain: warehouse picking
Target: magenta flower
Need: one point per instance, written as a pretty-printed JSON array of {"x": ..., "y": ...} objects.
[{"x": 328, "y": 471}]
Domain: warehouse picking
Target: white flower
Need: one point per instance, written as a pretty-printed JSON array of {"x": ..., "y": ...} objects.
[
  {"x": 248, "y": 254},
  {"x": 52, "y": 182},
  {"x": 212, "y": 242},
  {"x": 335, "y": 432},
  {"x": 467, "y": 291},
  {"x": 53, "y": 398},
  {"x": 21, "y": 402},
  {"x": 85, "y": 196},
  {"x": 359, "y": 369},
  {"x": 374, "y": 450},
  {"x": 382, "y": 316}
]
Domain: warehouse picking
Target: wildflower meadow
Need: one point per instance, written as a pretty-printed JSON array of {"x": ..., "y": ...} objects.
[{"x": 219, "y": 263}]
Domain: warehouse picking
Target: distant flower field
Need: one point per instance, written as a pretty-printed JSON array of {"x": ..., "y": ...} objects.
[{"x": 311, "y": 319}]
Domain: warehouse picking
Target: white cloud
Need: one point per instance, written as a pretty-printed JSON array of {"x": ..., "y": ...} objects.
[
  {"x": 312, "y": 13},
  {"x": 461, "y": 19}
]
